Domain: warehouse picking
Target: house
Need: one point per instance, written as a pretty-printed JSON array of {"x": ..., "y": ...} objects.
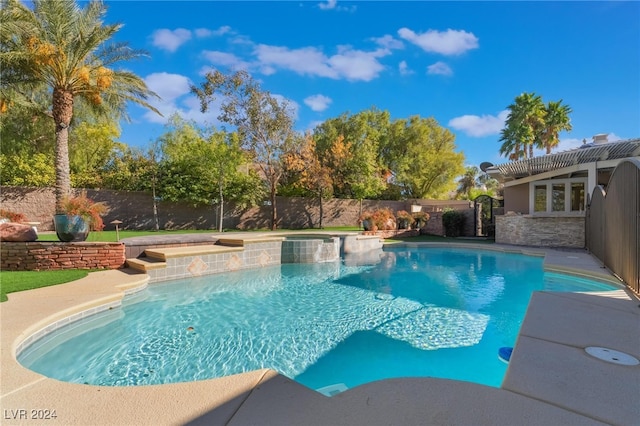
[{"x": 546, "y": 197}]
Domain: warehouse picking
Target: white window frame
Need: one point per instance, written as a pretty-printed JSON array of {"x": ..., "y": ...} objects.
[{"x": 567, "y": 197}]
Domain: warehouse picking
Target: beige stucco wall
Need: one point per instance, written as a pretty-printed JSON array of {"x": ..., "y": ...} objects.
[
  {"x": 516, "y": 198},
  {"x": 540, "y": 231}
]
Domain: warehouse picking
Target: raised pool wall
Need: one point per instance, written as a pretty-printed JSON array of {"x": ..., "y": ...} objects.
[{"x": 264, "y": 252}]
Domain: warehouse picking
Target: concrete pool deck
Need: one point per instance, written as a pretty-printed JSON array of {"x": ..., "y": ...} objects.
[{"x": 550, "y": 380}]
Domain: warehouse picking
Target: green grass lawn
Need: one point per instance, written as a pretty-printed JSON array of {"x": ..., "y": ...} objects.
[
  {"x": 110, "y": 236},
  {"x": 27, "y": 280}
]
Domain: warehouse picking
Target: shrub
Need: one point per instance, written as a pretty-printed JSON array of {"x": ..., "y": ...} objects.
[
  {"x": 384, "y": 219},
  {"x": 12, "y": 216},
  {"x": 453, "y": 222},
  {"x": 421, "y": 219},
  {"x": 404, "y": 219},
  {"x": 86, "y": 208}
]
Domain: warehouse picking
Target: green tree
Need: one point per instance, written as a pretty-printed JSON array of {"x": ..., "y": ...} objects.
[
  {"x": 25, "y": 129},
  {"x": 130, "y": 169},
  {"x": 352, "y": 145},
  {"x": 264, "y": 124},
  {"x": 468, "y": 181},
  {"x": 422, "y": 158},
  {"x": 91, "y": 147},
  {"x": 21, "y": 170},
  {"x": 205, "y": 168},
  {"x": 522, "y": 127},
  {"x": 308, "y": 173},
  {"x": 65, "y": 47},
  {"x": 556, "y": 120}
]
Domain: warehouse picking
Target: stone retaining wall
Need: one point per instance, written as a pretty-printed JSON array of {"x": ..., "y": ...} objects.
[
  {"x": 49, "y": 256},
  {"x": 541, "y": 231}
]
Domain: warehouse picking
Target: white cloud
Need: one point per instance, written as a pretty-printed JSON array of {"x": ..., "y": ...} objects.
[
  {"x": 333, "y": 5},
  {"x": 357, "y": 64},
  {"x": 205, "y": 32},
  {"x": 168, "y": 86},
  {"x": 612, "y": 137},
  {"x": 573, "y": 143},
  {"x": 306, "y": 60},
  {"x": 318, "y": 102},
  {"x": 439, "y": 68},
  {"x": 176, "y": 97},
  {"x": 389, "y": 42},
  {"x": 330, "y": 4},
  {"x": 202, "y": 32},
  {"x": 450, "y": 42},
  {"x": 347, "y": 63},
  {"x": 226, "y": 59},
  {"x": 404, "y": 68},
  {"x": 170, "y": 40},
  {"x": 565, "y": 145},
  {"x": 479, "y": 126}
]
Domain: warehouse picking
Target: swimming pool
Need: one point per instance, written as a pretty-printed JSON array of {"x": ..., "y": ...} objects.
[{"x": 416, "y": 312}]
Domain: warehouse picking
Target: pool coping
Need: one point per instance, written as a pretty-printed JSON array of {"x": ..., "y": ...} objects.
[{"x": 265, "y": 397}]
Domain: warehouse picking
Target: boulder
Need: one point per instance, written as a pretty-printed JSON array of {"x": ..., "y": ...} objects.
[{"x": 17, "y": 232}]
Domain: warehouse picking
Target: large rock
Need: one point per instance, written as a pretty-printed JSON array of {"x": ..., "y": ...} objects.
[{"x": 17, "y": 232}]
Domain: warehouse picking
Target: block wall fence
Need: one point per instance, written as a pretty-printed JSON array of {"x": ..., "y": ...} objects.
[{"x": 135, "y": 210}]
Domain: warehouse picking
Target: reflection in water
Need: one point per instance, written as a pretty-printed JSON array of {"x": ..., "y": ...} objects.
[{"x": 390, "y": 314}]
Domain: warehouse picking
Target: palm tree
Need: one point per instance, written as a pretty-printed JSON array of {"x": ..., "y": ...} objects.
[
  {"x": 64, "y": 47},
  {"x": 522, "y": 127},
  {"x": 556, "y": 119},
  {"x": 468, "y": 181}
]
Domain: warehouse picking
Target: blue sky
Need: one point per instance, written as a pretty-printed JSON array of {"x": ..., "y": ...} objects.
[{"x": 462, "y": 63}]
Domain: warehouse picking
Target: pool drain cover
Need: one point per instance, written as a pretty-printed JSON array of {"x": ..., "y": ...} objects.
[{"x": 611, "y": 355}]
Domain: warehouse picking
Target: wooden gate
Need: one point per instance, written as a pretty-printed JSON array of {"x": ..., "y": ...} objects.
[{"x": 613, "y": 223}]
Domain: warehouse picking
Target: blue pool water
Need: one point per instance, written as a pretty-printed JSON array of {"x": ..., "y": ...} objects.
[{"x": 416, "y": 312}]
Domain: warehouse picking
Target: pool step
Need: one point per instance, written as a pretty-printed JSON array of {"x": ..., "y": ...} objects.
[
  {"x": 162, "y": 254},
  {"x": 157, "y": 258},
  {"x": 144, "y": 264}
]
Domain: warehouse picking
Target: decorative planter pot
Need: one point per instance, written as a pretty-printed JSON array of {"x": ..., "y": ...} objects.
[
  {"x": 70, "y": 228},
  {"x": 367, "y": 224}
]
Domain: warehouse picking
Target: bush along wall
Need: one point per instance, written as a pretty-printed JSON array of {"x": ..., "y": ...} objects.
[{"x": 453, "y": 222}]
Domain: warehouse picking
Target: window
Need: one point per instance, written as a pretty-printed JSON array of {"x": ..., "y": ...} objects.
[
  {"x": 540, "y": 198},
  {"x": 577, "y": 197},
  {"x": 559, "y": 196}
]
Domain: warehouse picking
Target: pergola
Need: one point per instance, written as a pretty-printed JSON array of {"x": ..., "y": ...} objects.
[{"x": 589, "y": 157}]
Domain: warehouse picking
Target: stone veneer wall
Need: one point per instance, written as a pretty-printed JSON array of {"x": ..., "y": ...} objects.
[
  {"x": 48, "y": 256},
  {"x": 541, "y": 231}
]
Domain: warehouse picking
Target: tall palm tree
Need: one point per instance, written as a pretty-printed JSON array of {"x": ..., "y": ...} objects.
[
  {"x": 64, "y": 46},
  {"x": 522, "y": 127},
  {"x": 468, "y": 181},
  {"x": 556, "y": 120}
]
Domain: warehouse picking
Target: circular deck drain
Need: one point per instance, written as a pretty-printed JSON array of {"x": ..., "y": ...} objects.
[{"x": 612, "y": 356}]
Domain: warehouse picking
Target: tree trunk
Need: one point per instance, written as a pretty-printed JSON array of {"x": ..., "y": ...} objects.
[
  {"x": 155, "y": 205},
  {"x": 62, "y": 111},
  {"x": 221, "y": 208},
  {"x": 321, "y": 210},
  {"x": 274, "y": 214}
]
